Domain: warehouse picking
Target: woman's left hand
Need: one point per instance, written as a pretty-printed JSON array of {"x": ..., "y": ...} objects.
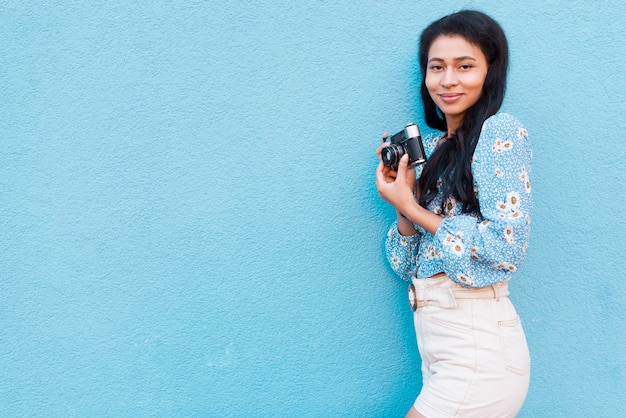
[{"x": 397, "y": 192}]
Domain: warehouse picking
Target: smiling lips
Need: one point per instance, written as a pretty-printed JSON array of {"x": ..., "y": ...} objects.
[{"x": 450, "y": 97}]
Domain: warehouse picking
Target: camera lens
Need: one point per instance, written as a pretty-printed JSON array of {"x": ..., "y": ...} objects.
[{"x": 391, "y": 155}]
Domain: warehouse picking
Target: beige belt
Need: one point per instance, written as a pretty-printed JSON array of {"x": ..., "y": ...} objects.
[{"x": 446, "y": 297}]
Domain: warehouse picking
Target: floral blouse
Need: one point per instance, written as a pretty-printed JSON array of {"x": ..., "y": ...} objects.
[{"x": 476, "y": 250}]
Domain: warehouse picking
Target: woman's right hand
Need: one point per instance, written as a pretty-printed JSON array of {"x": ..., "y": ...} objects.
[{"x": 405, "y": 226}]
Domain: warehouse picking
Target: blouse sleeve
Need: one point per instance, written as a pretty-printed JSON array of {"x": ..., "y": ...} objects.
[
  {"x": 402, "y": 251},
  {"x": 482, "y": 252}
]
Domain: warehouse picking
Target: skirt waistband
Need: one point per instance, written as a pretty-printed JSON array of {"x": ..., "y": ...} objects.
[{"x": 425, "y": 292}]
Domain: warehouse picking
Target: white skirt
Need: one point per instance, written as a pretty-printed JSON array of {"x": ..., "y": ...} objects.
[{"x": 475, "y": 360}]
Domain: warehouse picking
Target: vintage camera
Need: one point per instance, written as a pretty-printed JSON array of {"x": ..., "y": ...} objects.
[{"x": 407, "y": 141}]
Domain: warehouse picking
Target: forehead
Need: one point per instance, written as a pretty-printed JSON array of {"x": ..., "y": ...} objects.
[{"x": 453, "y": 46}]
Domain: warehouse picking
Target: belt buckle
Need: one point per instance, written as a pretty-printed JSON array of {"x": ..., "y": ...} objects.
[{"x": 413, "y": 297}]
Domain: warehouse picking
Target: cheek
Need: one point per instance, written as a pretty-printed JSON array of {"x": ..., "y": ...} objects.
[
  {"x": 479, "y": 82},
  {"x": 431, "y": 84},
  {"x": 475, "y": 87}
]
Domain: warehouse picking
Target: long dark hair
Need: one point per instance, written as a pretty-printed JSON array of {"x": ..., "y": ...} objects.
[{"x": 451, "y": 161}]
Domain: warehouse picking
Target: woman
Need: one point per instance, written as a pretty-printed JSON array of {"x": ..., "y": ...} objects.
[{"x": 462, "y": 228}]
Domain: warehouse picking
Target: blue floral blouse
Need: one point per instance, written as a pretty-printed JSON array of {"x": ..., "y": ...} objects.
[{"x": 476, "y": 250}]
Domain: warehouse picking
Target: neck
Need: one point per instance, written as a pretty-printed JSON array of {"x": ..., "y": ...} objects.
[{"x": 453, "y": 123}]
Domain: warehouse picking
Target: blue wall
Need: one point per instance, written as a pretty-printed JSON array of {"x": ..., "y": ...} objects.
[{"x": 190, "y": 225}]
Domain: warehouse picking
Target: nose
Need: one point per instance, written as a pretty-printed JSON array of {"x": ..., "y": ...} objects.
[{"x": 449, "y": 79}]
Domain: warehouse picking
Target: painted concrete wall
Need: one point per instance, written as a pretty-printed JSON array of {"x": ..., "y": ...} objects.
[{"x": 189, "y": 223}]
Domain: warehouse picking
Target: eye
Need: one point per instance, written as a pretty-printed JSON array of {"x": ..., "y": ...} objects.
[
  {"x": 466, "y": 66},
  {"x": 436, "y": 67}
]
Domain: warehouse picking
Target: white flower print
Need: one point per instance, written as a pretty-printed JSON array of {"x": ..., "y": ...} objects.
[
  {"x": 501, "y": 146},
  {"x": 455, "y": 243},
  {"x": 513, "y": 200},
  {"x": 403, "y": 241},
  {"x": 395, "y": 260},
  {"x": 522, "y": 133},
  {"x": 431, "y": 253},
  {"x": 506, "y": 266},
  {"x": 523, "y": 176},
  {"x": 450, "y": 205},
  {"x": 432, "y": 142},
  {"x": 474, "y": 254},
  {"x": 499, "y": 172},
  {"x": 510, "y": 207},
  {"x": 458, "y": 248},
  {"x": 503, "y": 210},
  {"x": 465, "y": 278},
  {"x": 482, "y": 226},
  {"x": 508, "y": 235}
]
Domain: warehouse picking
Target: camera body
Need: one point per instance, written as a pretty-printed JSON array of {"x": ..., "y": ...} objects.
[{"x": 407, "y": 141}]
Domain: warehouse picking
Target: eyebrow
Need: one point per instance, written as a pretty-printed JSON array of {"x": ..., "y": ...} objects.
[{"x": 463, "y": 58}]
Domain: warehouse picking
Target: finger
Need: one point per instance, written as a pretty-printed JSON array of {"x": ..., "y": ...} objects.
[
  {"x": 411, "y": 169},
  {"x": 390, "y": 173},
  {"x": 380, "y": 175},
  {"x": 380, "y": 148},
  {"x": 385, "y": 135},
  {"x": 380, "y": 170},
  {"x": 402, "y": 167},
  {"x": 385, "y": 174}
]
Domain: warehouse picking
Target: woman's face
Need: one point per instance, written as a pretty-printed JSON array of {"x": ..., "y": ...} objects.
[{"x": 455, "y": 74}]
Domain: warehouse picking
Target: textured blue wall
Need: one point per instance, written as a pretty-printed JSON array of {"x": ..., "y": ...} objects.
[{"x": 190, "y": 226}]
